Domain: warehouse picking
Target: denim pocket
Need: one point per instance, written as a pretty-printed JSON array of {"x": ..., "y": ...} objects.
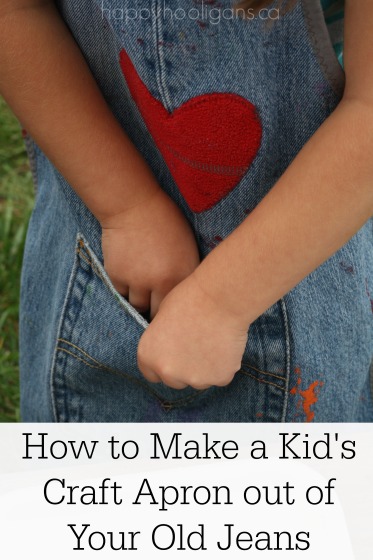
[
  {"x": 94, "y": 373},
  {"x": 95, "y": 377}
]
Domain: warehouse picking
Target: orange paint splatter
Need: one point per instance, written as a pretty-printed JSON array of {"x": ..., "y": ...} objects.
[
  {"x": 294, "y": 390},
  {"x": 308, "y": 397}
]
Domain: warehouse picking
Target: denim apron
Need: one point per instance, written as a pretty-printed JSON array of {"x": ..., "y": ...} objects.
[{"x": 218, "y": 107}]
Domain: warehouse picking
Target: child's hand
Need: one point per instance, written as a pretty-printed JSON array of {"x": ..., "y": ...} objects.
[
  {"x": 192, "y": 341},
  {"x": 148, "y": 249}
]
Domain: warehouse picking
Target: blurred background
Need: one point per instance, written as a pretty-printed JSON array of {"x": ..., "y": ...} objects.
[{"x": 16, "y": 200}]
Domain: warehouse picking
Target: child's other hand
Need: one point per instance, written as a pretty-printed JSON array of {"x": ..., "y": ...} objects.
[
  {"x": 148, "y": 249},
  {"x": 192, "y": 341}
]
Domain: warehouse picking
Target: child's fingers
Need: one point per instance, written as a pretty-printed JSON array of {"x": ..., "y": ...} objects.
[
  {"x": 150, "y": 366},
  {"x": 155, "y": 302},
  {"x": 148, "y": 373},
  {"x": 170, "y": 381},
  {"x": 120, "y": 287},
  {"x": 139, "y": 299}
]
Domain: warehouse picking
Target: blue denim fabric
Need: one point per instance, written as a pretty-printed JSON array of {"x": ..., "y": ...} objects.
[{"x": 308, "y": 357}]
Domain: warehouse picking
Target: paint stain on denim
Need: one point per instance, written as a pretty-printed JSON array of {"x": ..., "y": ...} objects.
[
  {"x": 369, "y": 294},
  {"x": 211, "y": 243},
  {"x": 201, "y": 24},
  {"x": 308, "y": 397},
  {"x": 347, "y": 267}
]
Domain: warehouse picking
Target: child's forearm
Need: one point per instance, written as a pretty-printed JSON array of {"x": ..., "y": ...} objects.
[
  {"x": 323, "y": 198},
  {"x": 47, "y": 83}
]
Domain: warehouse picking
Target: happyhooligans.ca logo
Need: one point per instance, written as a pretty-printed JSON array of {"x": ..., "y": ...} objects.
[{"x": 202, "y": 12}]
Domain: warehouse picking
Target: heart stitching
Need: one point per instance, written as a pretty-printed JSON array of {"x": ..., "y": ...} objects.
[{"x": 208, "y": 143}]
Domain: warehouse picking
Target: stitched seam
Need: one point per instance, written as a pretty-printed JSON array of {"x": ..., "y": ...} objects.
[
  {"x": 262, "y": 380},
  {"x": 325, "y": 66},
  {"x": 288, "y": 356},
  {"x": 90, "y": 263},
  {"x": 80, "y": 350},
  {"x": 218, "y": 169},
  {"x": 59, "y": 329},
  {"x": 82, "y": 255},
  {"x": 160, "y": 67},
  {"x": 206, "y": 98},
  {"x": 264, "y": 372},
  {"x": 77, "y": 357},
  {"x": 100, "y": 365}
]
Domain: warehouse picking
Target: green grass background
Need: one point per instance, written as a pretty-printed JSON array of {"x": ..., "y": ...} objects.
[{"x": 16, "y": 199}]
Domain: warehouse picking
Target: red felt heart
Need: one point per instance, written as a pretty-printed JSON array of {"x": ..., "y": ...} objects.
[{"x": 208, "y": 143}]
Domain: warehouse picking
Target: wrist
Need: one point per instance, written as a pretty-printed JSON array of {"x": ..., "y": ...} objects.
[
  {"x": 235, "y": 279},
  {"x": 208, "y": 281},
  {"x": 118, "y": 213}
]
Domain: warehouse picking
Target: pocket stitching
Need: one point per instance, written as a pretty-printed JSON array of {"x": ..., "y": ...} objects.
[
  {"x": 262, "y": 380},
  {"x": 164, "y": 402},
  {"x": 245, "y": 364}
]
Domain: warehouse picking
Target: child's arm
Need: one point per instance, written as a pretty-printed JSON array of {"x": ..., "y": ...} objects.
[
  {"x": 47, "y": 83},
  {"x": 325, "y": 196}
]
